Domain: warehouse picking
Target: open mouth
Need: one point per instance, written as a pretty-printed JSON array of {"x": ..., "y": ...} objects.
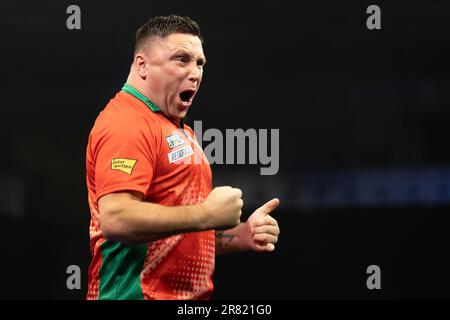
[{"x": 187, "y": 95}]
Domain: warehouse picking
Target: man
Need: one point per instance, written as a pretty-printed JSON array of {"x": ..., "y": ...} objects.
[{"x": 153, "y": 210}]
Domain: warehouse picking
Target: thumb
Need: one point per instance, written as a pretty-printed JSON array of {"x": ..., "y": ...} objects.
[{"x": 269, "y": 206}]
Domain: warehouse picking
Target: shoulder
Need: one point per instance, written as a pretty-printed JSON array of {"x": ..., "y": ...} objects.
[
  {"x": 121, "y": 120},
  {"x": 124, "y": 113}
]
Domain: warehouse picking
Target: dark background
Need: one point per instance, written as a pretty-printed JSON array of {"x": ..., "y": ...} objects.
[{"x": 363, "y": 116}]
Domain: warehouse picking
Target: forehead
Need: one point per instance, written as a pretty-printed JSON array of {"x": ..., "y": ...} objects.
[{"x": 181, "y": 41}]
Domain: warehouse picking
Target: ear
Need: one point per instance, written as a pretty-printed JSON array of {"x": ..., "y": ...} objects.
[{"x": 141, "y": 65}]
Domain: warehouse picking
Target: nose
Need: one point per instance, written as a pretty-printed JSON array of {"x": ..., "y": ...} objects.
[{"x": 195, "y": 73}]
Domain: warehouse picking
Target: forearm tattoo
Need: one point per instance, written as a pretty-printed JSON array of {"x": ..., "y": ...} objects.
[{"x": 224, "y": 238}]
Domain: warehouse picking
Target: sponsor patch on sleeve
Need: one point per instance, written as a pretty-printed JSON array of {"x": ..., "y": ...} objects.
[{"x": 124, "y": 165}]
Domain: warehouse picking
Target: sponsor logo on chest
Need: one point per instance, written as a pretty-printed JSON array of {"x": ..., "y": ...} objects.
[
  {"x": 174, "y": 140},
  {"x": 180, "y": 153}
]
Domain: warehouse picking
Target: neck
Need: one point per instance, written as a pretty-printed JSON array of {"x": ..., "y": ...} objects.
[{"x": 140, "y": 85}]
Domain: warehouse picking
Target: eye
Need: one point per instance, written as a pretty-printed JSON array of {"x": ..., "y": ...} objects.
[{"x": 181, "y": 58}]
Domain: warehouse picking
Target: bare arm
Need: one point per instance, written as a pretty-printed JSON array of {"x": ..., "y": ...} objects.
[
  {"x": 124, "y": 216},
  {"x": 231, "y": 240}
]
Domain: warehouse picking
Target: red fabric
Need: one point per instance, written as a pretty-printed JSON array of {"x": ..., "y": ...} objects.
[{"x": 133, "y": 148}]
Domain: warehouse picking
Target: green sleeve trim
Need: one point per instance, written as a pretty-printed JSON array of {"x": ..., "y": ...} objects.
[
  {"x": 120, "y": 272},
  {"x": 129, "y": 89}
]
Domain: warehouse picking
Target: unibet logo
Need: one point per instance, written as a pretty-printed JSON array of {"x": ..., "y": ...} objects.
[{"x": 124, "y": 165}]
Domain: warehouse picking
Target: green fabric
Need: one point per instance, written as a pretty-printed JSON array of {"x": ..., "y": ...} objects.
[
  {"x": 120, "y": 272},
  {"x": 129, "y": 89}
]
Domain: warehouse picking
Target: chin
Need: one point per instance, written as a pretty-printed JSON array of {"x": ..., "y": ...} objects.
[
  {"x": 181, "y": 114},
  {"x": 178, "y": 116}
]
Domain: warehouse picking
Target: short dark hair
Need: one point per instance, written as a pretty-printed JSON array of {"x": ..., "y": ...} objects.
[{"x": 162, "y": 26}]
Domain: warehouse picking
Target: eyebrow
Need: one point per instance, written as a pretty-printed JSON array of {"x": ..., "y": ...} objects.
[{"x": 184, "y": 52}]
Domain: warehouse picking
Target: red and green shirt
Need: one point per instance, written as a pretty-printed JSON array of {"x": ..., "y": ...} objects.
[{"x": 133, "y": 146}]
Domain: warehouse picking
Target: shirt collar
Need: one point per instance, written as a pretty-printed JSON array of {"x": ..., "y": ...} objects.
[{"x": 129, "y": 89}]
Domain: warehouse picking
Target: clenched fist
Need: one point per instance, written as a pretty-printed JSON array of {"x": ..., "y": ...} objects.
[{"x": 223, "y": 208}]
